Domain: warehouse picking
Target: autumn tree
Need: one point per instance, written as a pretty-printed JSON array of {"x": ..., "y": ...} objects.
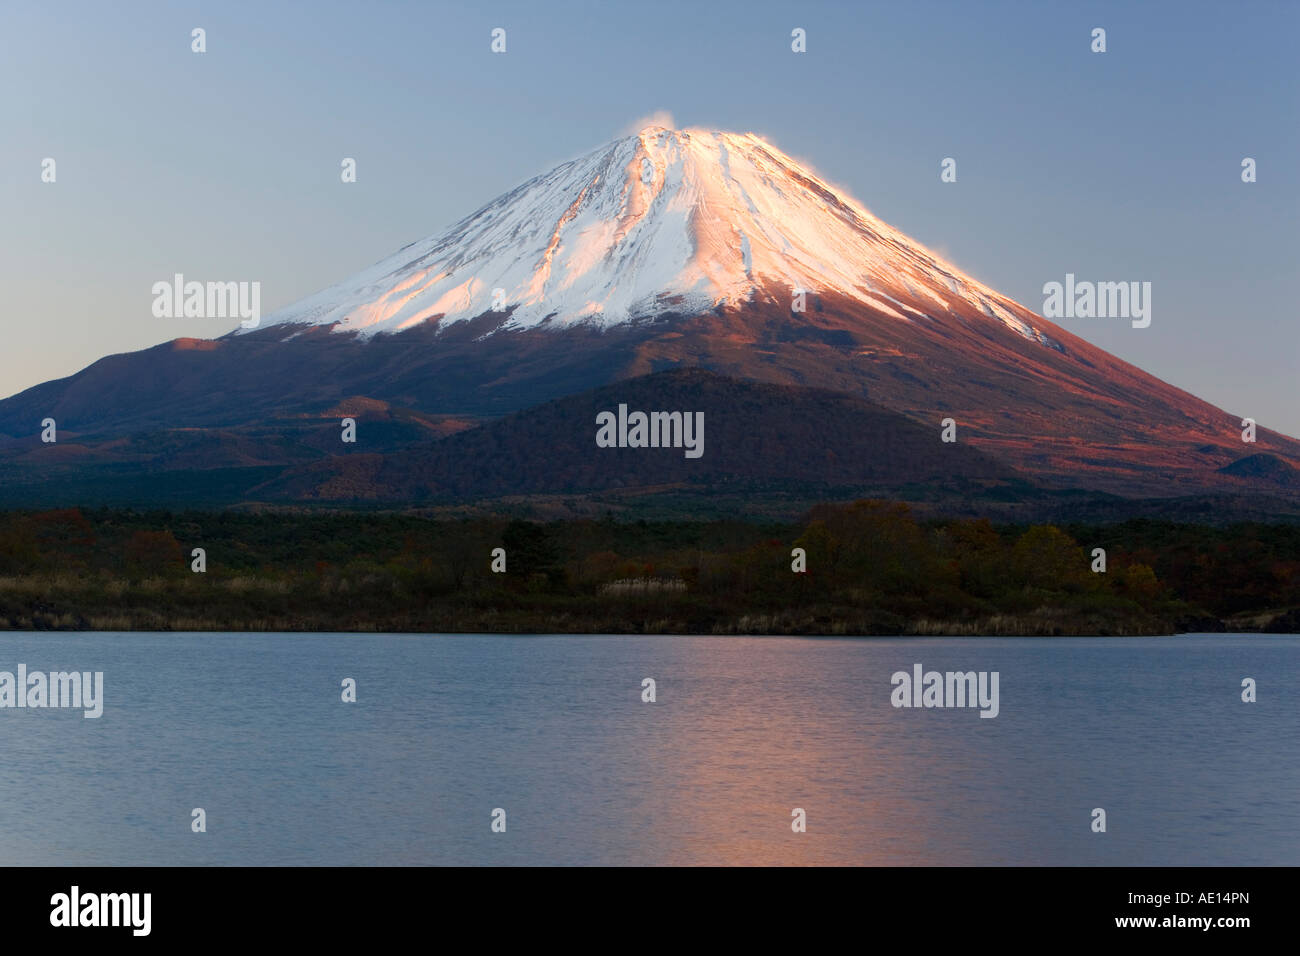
[{"x": 153, "y": 553}]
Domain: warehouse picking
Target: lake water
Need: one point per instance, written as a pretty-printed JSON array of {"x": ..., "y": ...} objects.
[{"x": 552, "y": 729}]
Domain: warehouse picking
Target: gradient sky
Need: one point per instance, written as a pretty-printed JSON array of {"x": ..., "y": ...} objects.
[{"x": 225, "y": 165}]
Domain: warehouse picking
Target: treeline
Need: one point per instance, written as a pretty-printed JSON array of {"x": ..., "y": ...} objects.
[{"x": 870, "y": 567}]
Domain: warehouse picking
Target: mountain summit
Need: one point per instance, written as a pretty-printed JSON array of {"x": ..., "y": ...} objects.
[{"x": 663, "y": 221}]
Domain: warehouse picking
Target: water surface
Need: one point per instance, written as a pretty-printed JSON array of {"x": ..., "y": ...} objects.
[{"x": 553, "y": 730}]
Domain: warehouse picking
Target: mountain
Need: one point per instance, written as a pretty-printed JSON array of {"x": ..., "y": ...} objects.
[
  {"x": 753, "y": 435},
  {"x": 1268, "y": 468},
  {"x": 663, "y": 250}
]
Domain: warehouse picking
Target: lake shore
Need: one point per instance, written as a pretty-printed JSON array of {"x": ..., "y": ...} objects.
[{"x": 866, "y": 568}]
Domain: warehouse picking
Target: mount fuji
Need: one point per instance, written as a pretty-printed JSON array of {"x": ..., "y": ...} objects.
[{"x": 662, "y": 252}]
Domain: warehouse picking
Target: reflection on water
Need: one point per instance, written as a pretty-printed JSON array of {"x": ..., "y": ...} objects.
[{"x": 553, "y": 729}]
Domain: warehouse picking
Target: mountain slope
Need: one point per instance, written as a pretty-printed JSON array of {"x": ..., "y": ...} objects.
[{"x": 767, "y": 436}]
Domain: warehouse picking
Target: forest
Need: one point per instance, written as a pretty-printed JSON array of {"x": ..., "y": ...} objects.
[{"x": 868, "y": 567}]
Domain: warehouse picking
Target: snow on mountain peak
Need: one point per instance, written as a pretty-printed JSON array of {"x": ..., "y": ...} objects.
[{"x": 663, "y": 220}]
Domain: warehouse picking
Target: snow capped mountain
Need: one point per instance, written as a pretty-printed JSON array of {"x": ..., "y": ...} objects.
[
  {"x": 667, "y": 250},
  {"x": 665, "y": 220}
]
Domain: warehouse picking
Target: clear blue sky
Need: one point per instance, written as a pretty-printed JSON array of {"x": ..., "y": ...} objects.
[{"x": 225, "y": 165}]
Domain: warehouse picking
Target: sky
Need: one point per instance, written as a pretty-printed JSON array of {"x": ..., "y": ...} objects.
[{"x": 1115, "y": 166}]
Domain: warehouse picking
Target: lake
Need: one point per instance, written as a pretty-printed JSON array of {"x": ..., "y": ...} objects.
[{"x": 553, "y": 730}]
